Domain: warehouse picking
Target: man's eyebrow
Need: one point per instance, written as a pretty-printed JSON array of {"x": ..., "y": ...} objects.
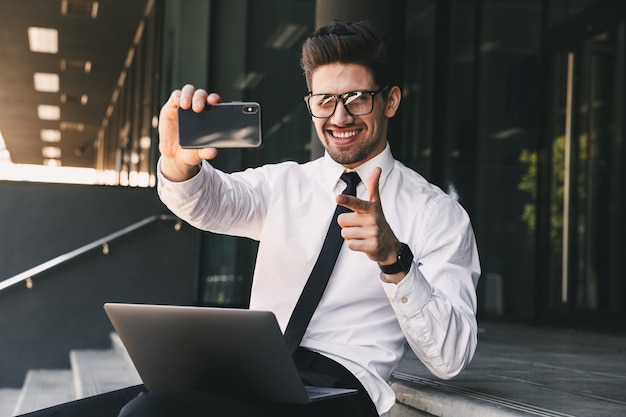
[{"x": 360, "y": 90}]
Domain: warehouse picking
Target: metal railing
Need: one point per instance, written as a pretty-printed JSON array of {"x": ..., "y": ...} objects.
[{"x": 27, "y": 275}]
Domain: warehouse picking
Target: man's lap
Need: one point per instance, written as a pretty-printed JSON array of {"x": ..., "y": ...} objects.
[{"x": 136, "y": 402}]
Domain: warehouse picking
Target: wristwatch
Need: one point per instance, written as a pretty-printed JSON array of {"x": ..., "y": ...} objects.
[{"x": 403, "y": 261}]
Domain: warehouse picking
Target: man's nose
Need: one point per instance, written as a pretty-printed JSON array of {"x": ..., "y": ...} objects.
[{"x": 341, "y": 115}]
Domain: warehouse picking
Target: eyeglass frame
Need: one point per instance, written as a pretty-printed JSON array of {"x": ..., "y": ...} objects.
[{"x": 341, "y": 97}]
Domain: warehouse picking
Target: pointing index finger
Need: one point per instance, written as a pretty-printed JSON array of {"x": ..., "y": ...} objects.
[
  {"x": 372, "y": 185},
  {"x": 354, "y": 204}
]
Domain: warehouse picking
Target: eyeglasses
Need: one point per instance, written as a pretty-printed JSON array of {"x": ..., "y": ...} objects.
[{"x": 356, "y": 103}]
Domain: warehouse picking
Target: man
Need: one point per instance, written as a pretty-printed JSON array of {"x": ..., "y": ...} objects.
[
  {"x": 407, "y": 272},
  {"x": 365, "y": 315}
]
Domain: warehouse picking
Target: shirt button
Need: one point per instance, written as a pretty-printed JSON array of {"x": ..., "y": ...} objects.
[
  {"x": 404, "y": 300},
  {"x": 392, "y": 299}
]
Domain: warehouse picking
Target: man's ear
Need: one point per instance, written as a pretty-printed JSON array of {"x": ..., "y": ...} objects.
[{"x": 393, "y": 101}]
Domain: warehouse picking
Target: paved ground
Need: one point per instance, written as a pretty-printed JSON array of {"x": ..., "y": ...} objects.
[{"x": 541, "y": 371}]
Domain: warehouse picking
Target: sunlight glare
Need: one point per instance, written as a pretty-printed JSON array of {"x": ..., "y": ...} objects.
[{"x": 53, "y": 174}]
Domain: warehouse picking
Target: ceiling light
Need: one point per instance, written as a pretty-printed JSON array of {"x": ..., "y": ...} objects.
[
  {"x": 79, "y": 8},
  {"x": 145, "y": 142},
  {"x": 52, "y": 162},
  {"x": 51, "y": 152},
  {"x": 69, "y": 99},
  {"x": 50, "y": 135},
  {"x": 48, "y": 112},
  {"x": 76, "y": 65},
  {"x": 46, "y": 82},
  {"x": 43, "y": 40},
  {"x": 76, "y": 126}
]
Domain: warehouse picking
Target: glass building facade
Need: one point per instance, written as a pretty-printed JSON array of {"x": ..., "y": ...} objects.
[{"x": 515, "y": 107}]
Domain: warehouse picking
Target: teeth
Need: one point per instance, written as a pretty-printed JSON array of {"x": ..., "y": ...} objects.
[{"x": 345, "y": 135}]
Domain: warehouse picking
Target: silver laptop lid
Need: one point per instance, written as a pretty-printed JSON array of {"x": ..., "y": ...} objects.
[{"x": 234, "y": 351}]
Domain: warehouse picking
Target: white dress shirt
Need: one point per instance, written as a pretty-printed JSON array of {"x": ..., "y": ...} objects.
[{"x": 362, "y": 321}]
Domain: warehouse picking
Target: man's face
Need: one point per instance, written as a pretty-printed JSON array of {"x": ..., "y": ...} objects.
[{"x": 352, "y": 140}]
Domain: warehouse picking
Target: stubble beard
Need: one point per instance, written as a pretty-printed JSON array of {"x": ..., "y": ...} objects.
[{"x": 362, "y": 153}]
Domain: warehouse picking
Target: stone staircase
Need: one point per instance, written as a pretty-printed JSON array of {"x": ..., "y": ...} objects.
[
  {"x": 92, "y": 372},
  {"x": 518, "y": 371}
]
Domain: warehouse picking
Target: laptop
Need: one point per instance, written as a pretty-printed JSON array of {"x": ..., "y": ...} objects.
[{"x": 224, "y": 350}]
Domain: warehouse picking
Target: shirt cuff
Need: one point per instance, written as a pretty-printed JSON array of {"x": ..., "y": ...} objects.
[
  {"x": 410, "y": 295},
  {"x": 179, "y": 189}
]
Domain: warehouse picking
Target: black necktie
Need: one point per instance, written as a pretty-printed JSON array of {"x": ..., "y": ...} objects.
[{"x": 316, "y": 284}]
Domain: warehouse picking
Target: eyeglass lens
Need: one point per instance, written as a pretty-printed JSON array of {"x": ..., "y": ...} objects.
[{"x": 357, "y": 103}]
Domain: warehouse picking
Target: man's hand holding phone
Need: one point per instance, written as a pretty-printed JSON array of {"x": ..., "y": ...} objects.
[
  {"x": 178, "y": 164},
  {"x": 193, "y": 123}
]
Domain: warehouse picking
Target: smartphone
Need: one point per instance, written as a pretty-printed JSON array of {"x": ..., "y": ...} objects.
[{"x": 223, "y": 125}]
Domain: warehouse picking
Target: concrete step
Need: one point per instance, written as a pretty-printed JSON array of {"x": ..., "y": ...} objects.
[
  {"x": 44, "y": 388},
  {"x": 8, "y": 399},
  {"x": 423, "y": 397},
  {"x": 99, "y": 371},
  {"x": 93, "y": 372}
]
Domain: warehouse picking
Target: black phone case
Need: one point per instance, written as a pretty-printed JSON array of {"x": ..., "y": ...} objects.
[{"x": 224, "y": 125}]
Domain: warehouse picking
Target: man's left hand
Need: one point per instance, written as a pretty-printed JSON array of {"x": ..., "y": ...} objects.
[{"x": 366, "y": 229}]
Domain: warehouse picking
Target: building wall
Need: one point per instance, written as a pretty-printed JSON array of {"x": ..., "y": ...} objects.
[{"x": 63, "y": 309}]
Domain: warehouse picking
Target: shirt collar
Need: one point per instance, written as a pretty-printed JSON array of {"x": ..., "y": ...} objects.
[{"x": 333, "y": 170}]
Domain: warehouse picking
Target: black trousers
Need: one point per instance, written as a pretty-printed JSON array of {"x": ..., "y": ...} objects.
[{"x": 315, "y": 369}]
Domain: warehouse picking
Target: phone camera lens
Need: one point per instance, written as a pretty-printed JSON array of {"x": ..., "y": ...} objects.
[{"x": 250, "y": 109}]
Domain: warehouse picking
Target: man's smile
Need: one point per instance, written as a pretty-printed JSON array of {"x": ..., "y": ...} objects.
[{"x": 344, "y": 135}]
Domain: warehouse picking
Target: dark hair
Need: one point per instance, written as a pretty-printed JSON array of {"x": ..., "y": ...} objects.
[{"x": 349, "y": 43}]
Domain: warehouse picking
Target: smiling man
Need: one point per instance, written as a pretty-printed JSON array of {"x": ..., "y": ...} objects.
[
  {"x": 353, "y": 132},
  {"x": 404, "y": 266},
  {"x": 407, "y": 272}
]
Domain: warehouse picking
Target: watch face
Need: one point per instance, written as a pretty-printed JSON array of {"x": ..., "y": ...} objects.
[{"x": 405, "y": 257}]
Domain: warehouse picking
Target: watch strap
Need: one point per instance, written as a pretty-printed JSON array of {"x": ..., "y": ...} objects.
[{"x": 402, "y": 264}]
